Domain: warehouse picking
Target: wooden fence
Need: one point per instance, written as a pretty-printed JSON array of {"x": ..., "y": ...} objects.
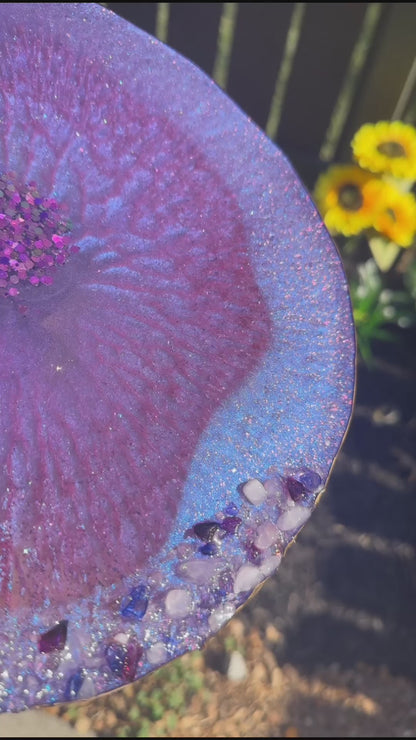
[{"x": 308, "y": 73}]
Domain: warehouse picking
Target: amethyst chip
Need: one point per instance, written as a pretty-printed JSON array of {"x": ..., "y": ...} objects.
[
  {"x": 295, "y": 488},
  {"x": 253, "y": 553},
  {"x": 54, "y": 639},
  {"x": 123, "y": 659},
  {"x": 231, "y": 524}
]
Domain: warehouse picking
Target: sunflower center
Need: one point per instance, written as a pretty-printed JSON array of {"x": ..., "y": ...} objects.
[
  {"x": 391, "y": 214},
  {"x": 391, "y": 149},
  {"x": 350, "y": 197},
  {"x": 34, "y": 236}
]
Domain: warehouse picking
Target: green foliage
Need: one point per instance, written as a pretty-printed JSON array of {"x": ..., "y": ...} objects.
[
  {"x": 409, "y": 280},
  {"x": 230, "y": 643},
  {"x": 145, "y": 729},
  {"x": 377, "y": 309},
  {"x": 163, "y": 697},
  {"x": 157, "y": 709},
  {"x": 176, "y": 698},
  {"x": 123, "y": 731},
  {"x": 134, "y": 713},
  {"x": 72, "y": 713},
  {"x": 194, "y": 681},
  {"x": 171, "y": 721}
]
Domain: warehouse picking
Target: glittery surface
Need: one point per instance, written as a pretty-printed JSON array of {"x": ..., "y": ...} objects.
[{"x": 176, "y": 375}]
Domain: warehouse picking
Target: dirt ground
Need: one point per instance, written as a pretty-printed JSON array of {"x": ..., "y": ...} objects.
[
  {"x": 272, "y": 701},
  {"x": 327, "y": 647}
]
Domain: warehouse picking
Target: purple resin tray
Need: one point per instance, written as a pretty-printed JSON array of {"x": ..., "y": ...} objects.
[{"x": 177, "y": 354}]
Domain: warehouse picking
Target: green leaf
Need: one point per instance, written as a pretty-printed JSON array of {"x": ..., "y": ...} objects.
[{"x": 384, "y": 252}]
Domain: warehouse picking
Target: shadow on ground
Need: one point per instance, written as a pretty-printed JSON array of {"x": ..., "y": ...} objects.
[{"x": 346, "y": 591}]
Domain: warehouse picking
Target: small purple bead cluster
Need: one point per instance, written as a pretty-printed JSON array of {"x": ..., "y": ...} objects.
[{"x": 34, "y": 238}]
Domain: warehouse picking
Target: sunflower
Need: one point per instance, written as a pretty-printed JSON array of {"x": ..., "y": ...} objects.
[
  {"x": 346, "y": 203},
  {"x": 387, "y": 147},
  {"x": 396, "y": 216}
]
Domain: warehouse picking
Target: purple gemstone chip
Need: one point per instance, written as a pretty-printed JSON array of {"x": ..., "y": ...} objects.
[
  {"x": 311, "y": 480},
  {"x": 176, "y": 335},
  {"x": 206, "y": 530},
  {"x": 253, "y": 553},
  {"x": 209, "y": 549},
  {"x": 295, "y": 488},
  {"x": 123, "y": 659},
  {"x": 231, "y": 509},
  {"x": 73, "y": 685},
  {"x": 135, "y": 604},
  {"x": 231, "y": 524},
  {"x": 54, "y": 639}
]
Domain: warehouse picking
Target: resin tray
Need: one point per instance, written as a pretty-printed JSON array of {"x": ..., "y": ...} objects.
[{"x": 177, "y": 354}]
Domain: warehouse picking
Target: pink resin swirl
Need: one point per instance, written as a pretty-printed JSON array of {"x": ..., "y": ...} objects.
[{"x": 109, "y": 375}]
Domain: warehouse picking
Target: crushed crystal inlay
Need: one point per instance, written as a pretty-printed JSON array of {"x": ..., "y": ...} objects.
[
  {"x": 211, "y": 581},
  {"x": 34, "y": 236}
]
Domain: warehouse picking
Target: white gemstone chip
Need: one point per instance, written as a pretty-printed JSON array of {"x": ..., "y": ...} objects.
[
  {"x": 178, "y": 602},
  {"x": 199, "y": 571},
  {"x": 267, "y": 534},
  {"x": 247, "y": 577},
  {"x": 254, "y": 491},
  {"x": 220, "y": 616},
  {"x": 157, "y": 654},
  {"x": 293, "y": 518},
  {"x": 122, "y": 638},
  {"x": 269, "y": 565},
  {"x": 273, "y": 486}
]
